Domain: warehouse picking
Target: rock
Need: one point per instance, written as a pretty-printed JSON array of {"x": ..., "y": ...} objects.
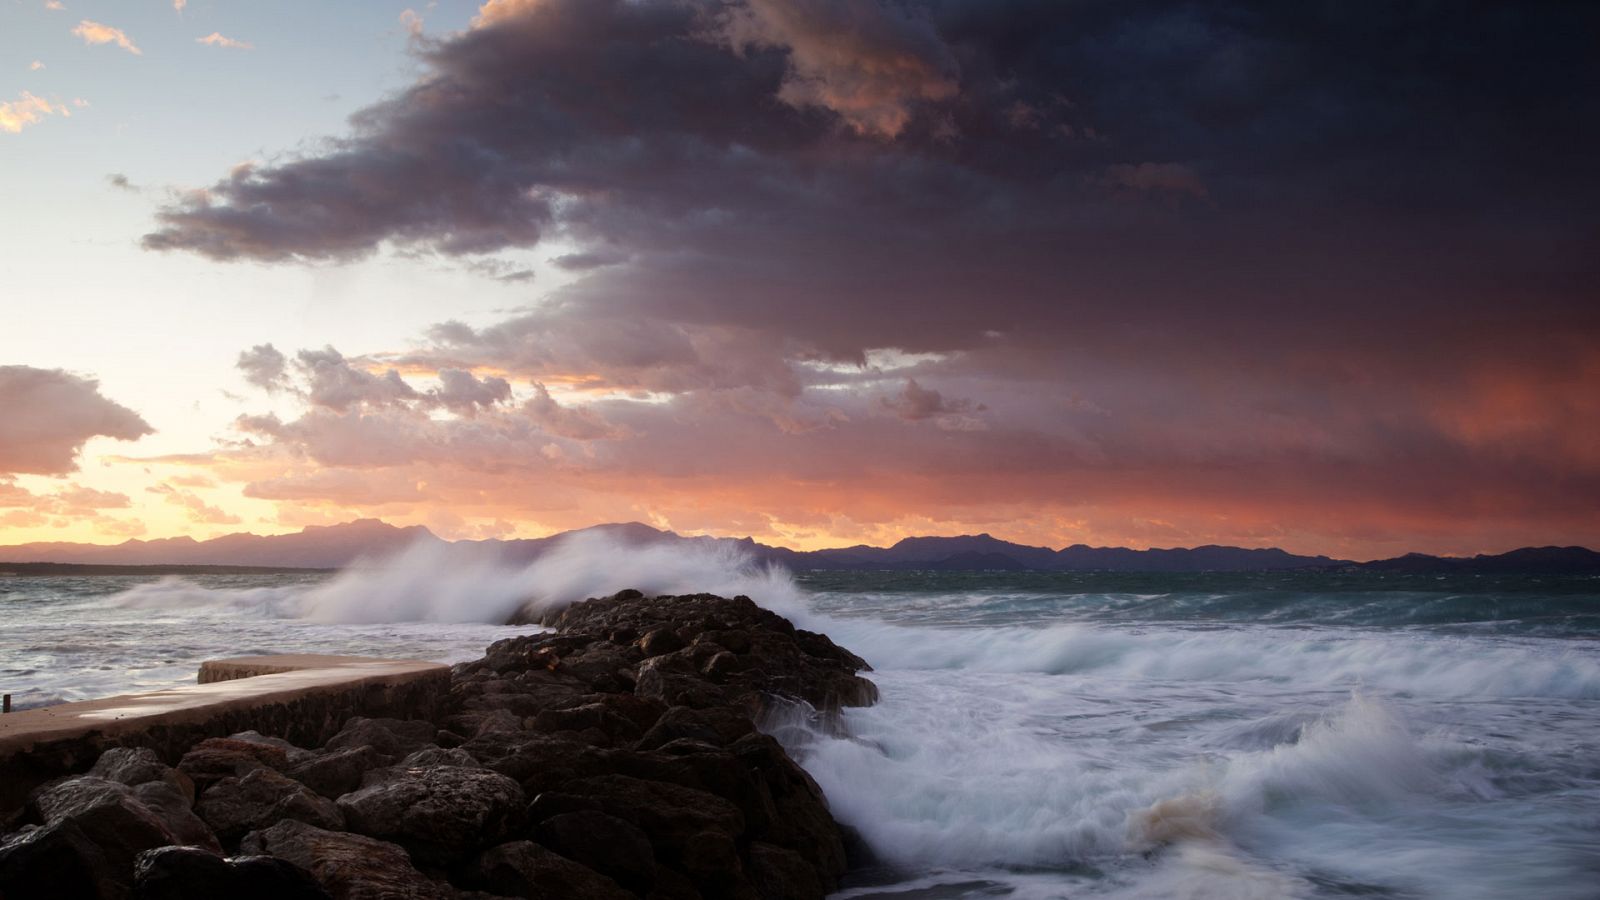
[
  {"x": 693, "y": 831},
  {"x": 60, "y": 861},
  {"x": 604, "y": 843},
  {"x": 537, "y": 762},
  {"x": 609, "y": 725},
  {"x": 780, "y": 874},
  {"x": 672, "y": 885},
  {"x": 657, "y": 641},
  {"x": 715, "y": 726},
  {"x": 134, "y": 766},
  {"x": 184, "y": 873},
  {"x": 293, "y": 753},
  {"x": 437, "y": 756},
  {"x": 176, "y": 812},
  {"x": 89, "y": 798},
  {"x": 392, "y": 737},
  {"x": 525, "y": 869},
  {"x": 338, "y": 772},
  {"x": 801, "y": 821},
  {"x": 93, "y": 822},
  {"x": 441, "y": 814},
  {"x": 721, "y": 665},
  {"x": 347, "y": 866},
  {"x": 214, "y": 759},
  {"x": 236, "y": 806}
]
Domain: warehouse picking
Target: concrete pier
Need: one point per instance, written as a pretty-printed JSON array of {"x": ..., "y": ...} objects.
[{"x": 304, "y": 699}]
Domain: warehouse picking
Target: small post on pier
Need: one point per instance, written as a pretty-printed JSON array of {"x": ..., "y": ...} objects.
[{"x": 5, "y": 703}]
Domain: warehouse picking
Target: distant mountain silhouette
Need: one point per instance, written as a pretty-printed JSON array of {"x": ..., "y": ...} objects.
[
  {"x": 335, "y": 546},
  {"x": 1526, "y": 561}
]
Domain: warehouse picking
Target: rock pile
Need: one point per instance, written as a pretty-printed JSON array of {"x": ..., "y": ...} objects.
[{"x": 616, "y": 757}]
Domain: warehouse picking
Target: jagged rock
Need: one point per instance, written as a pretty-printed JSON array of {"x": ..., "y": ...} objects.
[
  {"x": 294, "y": 754},
  {"x": 214, "y": 759},
  {"x": 438, "y": 756},
  {"x": 236, "y": 806},
  {"x": 62, "y": 862},
  {"x": 647, "y": 775},
  {"x": 535, "y": 761},
  {"x": 92, "y": 823},
  {"x": 177, "y": 813},
  {"x": 525, "y": 869},
  {"x": 660, "y": 640},
  {"x": 693, "y": 831},
  {"x": 392, "y": 737},
  {"x": 801, "y": 821},
  {"x": 103, "y": 805},
  {"x": 339, "y": 772},
  {"x": 184, "y": 873},
  {"x": 347, "y": 866},
  {"x": 717, "y": 727},
  {"x": 134, "y": 766},
  {"x": 781, "y": 874},
  {"x": 608, "y": 725},
  {"x": 604, "y": 843},
  {"x": 441, "y": 814}
]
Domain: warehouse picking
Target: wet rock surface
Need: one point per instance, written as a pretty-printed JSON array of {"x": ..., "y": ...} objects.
[{"x": 614, "y": 757}]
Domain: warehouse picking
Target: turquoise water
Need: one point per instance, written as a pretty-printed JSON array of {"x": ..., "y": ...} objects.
[{"x": 1040, "y": 735}]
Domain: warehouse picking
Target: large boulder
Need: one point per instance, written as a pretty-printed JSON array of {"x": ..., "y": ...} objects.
[
  {"x": 525, "y": 869},
  {"x": 235, "y": 806},
  {"x": 602, "y": 842},
  {"x": 62, "y": 862},
  {"x": 134, "y": 766},
  {"x": 693, "y": 831},
  {"x": 347, "y": 866},
  {"x": 214, "y": 759},
  {"x": 393, "y": 738},
  {"x": 441, "y": 814},
  {"x": 130, "y": 819},
  {"x": 185, "y": 873},
  {"x": 337, "y": 772},
  {"x": 93, "y": 830}
]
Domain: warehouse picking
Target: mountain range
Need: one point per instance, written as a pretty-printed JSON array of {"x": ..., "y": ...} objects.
[{"x": 336, "y": 546}]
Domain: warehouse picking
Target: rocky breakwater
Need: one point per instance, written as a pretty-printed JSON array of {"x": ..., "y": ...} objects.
[{"x": 615, "y": 757}]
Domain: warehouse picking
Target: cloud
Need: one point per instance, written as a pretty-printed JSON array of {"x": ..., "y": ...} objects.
[
  {"x": 54, "y": 5},
  {"x": 264, "y": 367},
  {"x": 915, "y": 403},
  {"x": 121, "y": 182},
  {"x": 28, "y": 109},
  {"x": 35, "y": 66},
  {"x": 863, "y": 60},
  {"x": 464, "y": 394},
  {"x": 46, "y": 415},
  {"x": 179, "y": 5},
  {"x": 96, "y": 33},
  {"x": 411, "y": 21},
  {"x": 333, "y": 383},
  {"x": 199, "y": 511},
  {"x": 1169, "y": 178},
  {"x": 586, "y": 261},
  {"x": 578, "y": 424},
  {"x": 1192, "y": 260},
  {"x": 216, "y": 39}
]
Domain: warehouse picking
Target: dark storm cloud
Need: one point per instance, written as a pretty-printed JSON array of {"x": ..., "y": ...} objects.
[{"x": 1161, "y": 242}]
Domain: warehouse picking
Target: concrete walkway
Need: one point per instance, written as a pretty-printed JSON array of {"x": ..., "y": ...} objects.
[{"x": 302, "y": 698}]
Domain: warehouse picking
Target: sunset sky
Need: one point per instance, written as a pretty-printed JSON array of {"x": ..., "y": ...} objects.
[{"x": 1323, "y": 276}]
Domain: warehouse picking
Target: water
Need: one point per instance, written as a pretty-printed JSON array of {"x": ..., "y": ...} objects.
[{"x": 1039, "y": 736}]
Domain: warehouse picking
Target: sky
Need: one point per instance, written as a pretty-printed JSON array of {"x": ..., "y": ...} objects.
[{"x": 1320, "y": 276}]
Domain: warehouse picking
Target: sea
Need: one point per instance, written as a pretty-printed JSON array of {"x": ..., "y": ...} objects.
[{"x": 1230, "y": 736}]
